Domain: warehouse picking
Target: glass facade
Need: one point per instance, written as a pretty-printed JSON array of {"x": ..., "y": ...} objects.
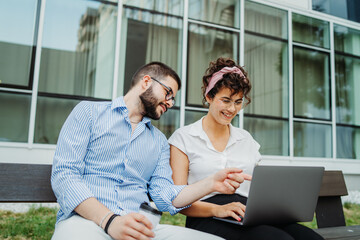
[
  {"x": 17, "y": 42},
  {"x": 311, "y": 84},
  {"x": 14, "y": 117},
  {"x": 347, "y": 69},
  {"x": 266, "y": 48},
  {"x": 77, "y": 56},
  {"x": 302, "y": 66},
  {"x": 347, "y": 9},
  {"x": 206, "y": 44},
  {"x": 312, "y": 140},
  {"x": 222, "y": 12}
]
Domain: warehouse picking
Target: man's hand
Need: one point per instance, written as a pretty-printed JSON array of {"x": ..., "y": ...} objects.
[
  {"x": 228, "y": 180},
  {"x": 131, "y": 226}
]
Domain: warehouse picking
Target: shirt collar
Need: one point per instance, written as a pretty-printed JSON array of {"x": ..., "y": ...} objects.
[
  {"x": 197, "y": 130},
  {"x": 119, "y": 103}
]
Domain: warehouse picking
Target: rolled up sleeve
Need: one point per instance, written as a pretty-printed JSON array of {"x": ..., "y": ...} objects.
[
  {"x": 161, "y": 188},
  {"x": 69, "y": 165}
]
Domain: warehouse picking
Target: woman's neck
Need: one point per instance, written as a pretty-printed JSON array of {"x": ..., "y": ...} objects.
[{"x": 212, "y": 127}]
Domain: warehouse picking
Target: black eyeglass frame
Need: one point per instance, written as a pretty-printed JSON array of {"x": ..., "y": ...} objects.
[{"x": 169, "y": 92}]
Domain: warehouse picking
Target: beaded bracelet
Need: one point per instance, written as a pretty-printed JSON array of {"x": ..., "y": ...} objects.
[{"x": 109, "y": 222}]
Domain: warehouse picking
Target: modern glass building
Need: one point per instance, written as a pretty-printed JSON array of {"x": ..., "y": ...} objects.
[{"x": 303, "y": 58}]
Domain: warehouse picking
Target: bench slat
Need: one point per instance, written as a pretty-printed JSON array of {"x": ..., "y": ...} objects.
[
  {"x": 25, "y": 183},
  {"x": 338, "y": 233},
  {"x": 333, "y": 184}
]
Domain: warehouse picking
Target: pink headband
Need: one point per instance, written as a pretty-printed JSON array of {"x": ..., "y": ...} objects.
[{"x": 218, "y": 75}]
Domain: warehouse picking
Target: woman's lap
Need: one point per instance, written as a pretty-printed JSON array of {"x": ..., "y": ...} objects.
[{"x": 235, "y": 232}]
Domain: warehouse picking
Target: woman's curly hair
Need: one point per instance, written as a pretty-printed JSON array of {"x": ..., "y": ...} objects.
[{"x": 233, "y": 81}]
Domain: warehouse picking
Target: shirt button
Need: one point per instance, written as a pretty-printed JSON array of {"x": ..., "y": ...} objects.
[{"x": 126, "y": 160}]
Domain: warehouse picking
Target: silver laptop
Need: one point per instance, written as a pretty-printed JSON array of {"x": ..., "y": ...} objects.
[{"x": 281, "y": 194}]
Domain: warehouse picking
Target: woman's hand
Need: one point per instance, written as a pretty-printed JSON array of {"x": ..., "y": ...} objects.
[{"x": 234, "y": 210}]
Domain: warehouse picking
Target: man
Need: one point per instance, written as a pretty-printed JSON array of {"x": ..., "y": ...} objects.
[{"x": 109, "y": 157}]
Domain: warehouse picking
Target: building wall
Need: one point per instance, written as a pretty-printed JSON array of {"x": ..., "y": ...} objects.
[{"x": 303, "y": 65}]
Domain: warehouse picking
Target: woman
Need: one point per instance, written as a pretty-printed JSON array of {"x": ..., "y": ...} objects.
[{"x": 212, "y": 143}]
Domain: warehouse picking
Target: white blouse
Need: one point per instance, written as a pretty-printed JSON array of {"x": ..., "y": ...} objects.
[{"x": 242, "y": 151}]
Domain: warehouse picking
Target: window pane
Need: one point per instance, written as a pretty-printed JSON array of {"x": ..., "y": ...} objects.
[
  {"x": 310, "y": 31},
  {"x": 266, "y": 20},
  {"x": 205, "y": 45},
  {"x": 266, "y": 61},
  {"x": 347, "y": 90},
  {"x": 174, "y": 7},
  {"x": 51, "y": 114},
  {"x": 78, "y": 48},
  {"x": 14, "y": 117},
  {"x": 347, "y": 142},
  {"x": 193, "y": 116},
  {"x": 347, "y": 40},
  {"x": 148, "y": 37},
  {"x": 312, "y": 140},
  {"x": 168, "y": 122},
  {"x": 347, "y": 9},
  {"x": 17, "y": 44},
  {"x": 311, "y": 84},
  {"x": 272, "y": 135},
  {"x": 222, "y": 12}
]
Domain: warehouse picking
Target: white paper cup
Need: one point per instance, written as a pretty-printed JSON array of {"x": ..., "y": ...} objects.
[{"x": 150, "y": 213}]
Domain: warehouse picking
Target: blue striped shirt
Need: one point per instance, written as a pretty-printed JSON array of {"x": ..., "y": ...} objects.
[{"x": 97, "y": 155}]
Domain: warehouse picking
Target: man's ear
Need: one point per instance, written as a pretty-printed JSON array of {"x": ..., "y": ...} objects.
[{"x": 146, "y": 82}]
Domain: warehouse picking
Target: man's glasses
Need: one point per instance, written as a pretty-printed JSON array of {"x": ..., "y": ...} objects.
[{"x": 169, "y": 92}]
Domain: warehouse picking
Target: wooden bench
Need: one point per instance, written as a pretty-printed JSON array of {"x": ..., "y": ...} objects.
[
  {"x": 31, "y": 183},
  {"x": 329, "y": 210},
  {"x": 25, "y": 183}
]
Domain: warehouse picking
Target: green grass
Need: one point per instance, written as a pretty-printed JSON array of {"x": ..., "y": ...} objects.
[
  {"x": 38, "y": 223},
  {"x": 35, "y": 224}
]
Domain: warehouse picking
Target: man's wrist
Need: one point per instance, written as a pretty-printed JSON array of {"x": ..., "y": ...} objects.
[
  {"x": 109, "y": 222},
  {"x": 105, "y": 217}
]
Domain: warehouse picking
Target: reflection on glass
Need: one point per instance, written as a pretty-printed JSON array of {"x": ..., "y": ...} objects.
[
  {"x": 312, "y": 140},
  {"x": 51, "y": 114},
  {"x": 169, "y": 122},
  {"x": 193, "y": 116},
  {"x": 148, "y": 37},
  {"x": 310, "y": 31},
  {"x": 222, "y": 12},
  {"x": 272, "y": 135},
  {"x": 311, "y": 84},
  {"x": 347, "y": 142},
  {"x": 14, "y": 117},
  {"x": 347, "y": 70},
  {"x": 174, "y": 7},
  {"x": 17, "y": 43},
  {"x": 347, "y": 9},
  {"x": 266, "y": 20},
  {"x": 78, "y": 48},
  {"x": 205, "y": 45},
  {"x": 347, "y": 40},
  {"x": 267, "y": 64}
]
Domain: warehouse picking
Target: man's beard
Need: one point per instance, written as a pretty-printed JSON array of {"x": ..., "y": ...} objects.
[{"x": 150, "y": 104}]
